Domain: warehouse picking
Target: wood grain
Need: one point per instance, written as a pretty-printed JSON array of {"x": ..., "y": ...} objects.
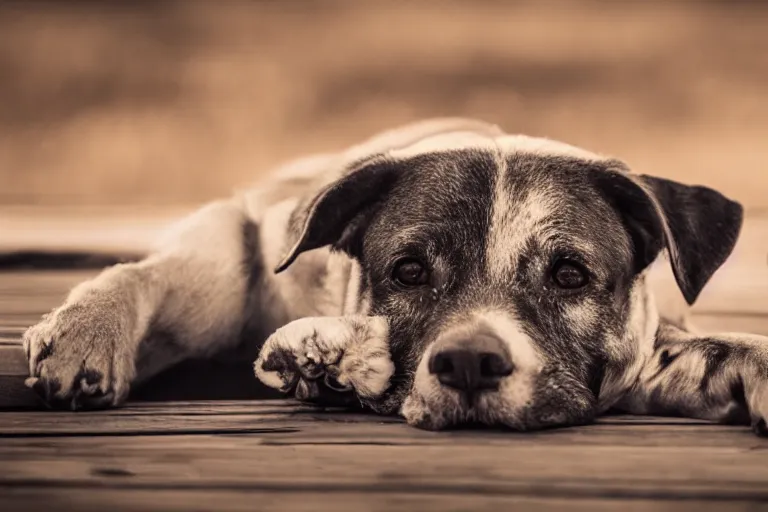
[
  {"x": 305, "y": 452},
  {"x": 169, "y": 500}
]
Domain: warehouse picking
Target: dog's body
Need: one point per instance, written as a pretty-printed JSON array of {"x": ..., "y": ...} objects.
[{"x": 443, "y": 270}]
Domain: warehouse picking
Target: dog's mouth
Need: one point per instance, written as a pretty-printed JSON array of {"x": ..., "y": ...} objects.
[
  {"x": 519, "y": 403},
  {"x": 472, "y": 401},
  {"x": 481, "y": 417}
]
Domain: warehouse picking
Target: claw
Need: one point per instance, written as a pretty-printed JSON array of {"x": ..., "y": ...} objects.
[
  {"x": 88, "y": 382},
  {"x": 307, "y": 390},
  {"x": 83, "y": 402},
  {"x": 46, "y": 388},
  {"x": 289, "y": 384},
  {"x": 45, "y": 351},
  {"x": 332, "y": 383}
]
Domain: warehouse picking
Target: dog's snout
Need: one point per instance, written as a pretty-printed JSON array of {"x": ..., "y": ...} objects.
[{"x": 470, "y": 364}]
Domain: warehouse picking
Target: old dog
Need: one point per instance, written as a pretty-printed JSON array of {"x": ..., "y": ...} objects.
[{"x": 445, "y": 271}]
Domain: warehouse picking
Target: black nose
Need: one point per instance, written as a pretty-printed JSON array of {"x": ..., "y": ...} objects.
[{"x": 471, "y": 364}]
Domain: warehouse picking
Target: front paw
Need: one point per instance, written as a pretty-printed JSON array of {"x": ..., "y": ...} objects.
[
  {"x": 342, "y": 354},
  {"x": 79, "y": 357}
]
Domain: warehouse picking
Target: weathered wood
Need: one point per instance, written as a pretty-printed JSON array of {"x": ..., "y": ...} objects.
[
  {"x": 297, "y": 500},
  {"x": 510, "y": 465},
  {"x": 293, "y": 424},
  {"x": 281, "y": 455},
  {"x": 236, "y": 416}
]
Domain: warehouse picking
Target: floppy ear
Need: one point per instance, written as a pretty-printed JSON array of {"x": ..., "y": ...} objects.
[
  {"x": 335, "y": 214},
  {"x": 697, "y": 225}
]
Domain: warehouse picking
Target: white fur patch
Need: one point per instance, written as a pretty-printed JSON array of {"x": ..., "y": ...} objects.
[
  {"x": 522, "y": 350},
  {"x": 512, "y": 224}
]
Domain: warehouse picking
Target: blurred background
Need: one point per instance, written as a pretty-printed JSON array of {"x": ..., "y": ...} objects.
[{"x": 165, "y": 104}]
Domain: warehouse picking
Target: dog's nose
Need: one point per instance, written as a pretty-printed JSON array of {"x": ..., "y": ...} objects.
[{"x": 471, "y": 364}]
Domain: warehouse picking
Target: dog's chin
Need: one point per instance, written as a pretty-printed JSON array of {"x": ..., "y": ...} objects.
[
  {"x": 448, "y": 410},
  {"x": 508, "y": 408}
]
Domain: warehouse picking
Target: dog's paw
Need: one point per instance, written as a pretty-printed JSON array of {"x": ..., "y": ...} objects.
[
  {"x": 343, "y": 354},
  {"x": 79, "y": 356}
]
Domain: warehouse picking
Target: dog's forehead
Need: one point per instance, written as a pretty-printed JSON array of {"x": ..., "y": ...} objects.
[
  {"x": 513, "y": 191},
  {"x": 520, "y": 180},
  {"x": 518, "y": 176}
]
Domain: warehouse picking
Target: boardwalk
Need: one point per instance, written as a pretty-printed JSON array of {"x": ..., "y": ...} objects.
[{"x": 179, "y": 452}]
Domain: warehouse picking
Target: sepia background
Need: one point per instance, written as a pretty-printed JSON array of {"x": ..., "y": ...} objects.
[{"x": 164, "y": 104}]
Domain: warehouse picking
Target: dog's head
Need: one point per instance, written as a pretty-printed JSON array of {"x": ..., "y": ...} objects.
[{"x": 511, "y": 269}]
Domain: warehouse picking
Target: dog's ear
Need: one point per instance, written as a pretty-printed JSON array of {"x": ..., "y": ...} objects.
[
  {"x": 335, "y": 214},
  {"x": 697, "y": 225}
]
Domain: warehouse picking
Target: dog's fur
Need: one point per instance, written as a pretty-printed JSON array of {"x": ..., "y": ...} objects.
[{"x": 489, "y": 215}]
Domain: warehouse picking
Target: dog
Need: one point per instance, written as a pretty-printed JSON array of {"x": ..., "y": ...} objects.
[{"x": 445, "y": 271}]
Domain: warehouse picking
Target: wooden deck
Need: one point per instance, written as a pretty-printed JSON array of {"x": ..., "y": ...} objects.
[{"x": 254, "y": 453}]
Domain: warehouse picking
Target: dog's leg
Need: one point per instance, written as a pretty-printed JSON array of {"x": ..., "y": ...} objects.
[
  {"x": 347, "y": 353},
  {"x": 721, "y": 377},
  {"x": 188, "y": 298}
]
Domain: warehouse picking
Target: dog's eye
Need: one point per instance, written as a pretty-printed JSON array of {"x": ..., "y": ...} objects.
[
  {"x": 569, "y": 275},
  {"x": 410, "y": 272}
]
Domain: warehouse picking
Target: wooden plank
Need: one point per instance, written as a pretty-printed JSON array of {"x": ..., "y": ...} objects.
[
  {"x": 515, "y": 464},
  {"x": 269, "y": 500},
  {"x": 261, "y": 415},
  {"x": 234, "y": 407},
  {"x": 642, "y": 462},
  {"x": 315, "y": 425},
  {"x": 292, "y": 450},
  {"x": 282, "y": 427},
  {"x": 291, "y": 423}
]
